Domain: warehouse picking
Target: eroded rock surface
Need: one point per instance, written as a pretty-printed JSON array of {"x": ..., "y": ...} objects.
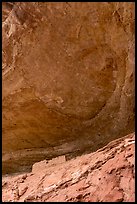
[
  {"x": 68, "y": 79},
  {"x": 107, "y": 175}
]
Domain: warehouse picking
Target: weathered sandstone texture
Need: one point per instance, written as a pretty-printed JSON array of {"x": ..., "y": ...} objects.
[
  {"x": 107, "y": 175},
  {"x": 68, "y": 78}
]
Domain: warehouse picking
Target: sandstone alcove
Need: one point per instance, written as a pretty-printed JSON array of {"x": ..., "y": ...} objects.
[{"x": 67, "y": 79}]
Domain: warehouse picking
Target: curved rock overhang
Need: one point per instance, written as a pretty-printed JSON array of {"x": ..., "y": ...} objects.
[{"x": 67, "y": 78}]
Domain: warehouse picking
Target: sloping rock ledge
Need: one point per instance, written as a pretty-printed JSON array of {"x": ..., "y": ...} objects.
[{"x": 107, "y": 175}]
